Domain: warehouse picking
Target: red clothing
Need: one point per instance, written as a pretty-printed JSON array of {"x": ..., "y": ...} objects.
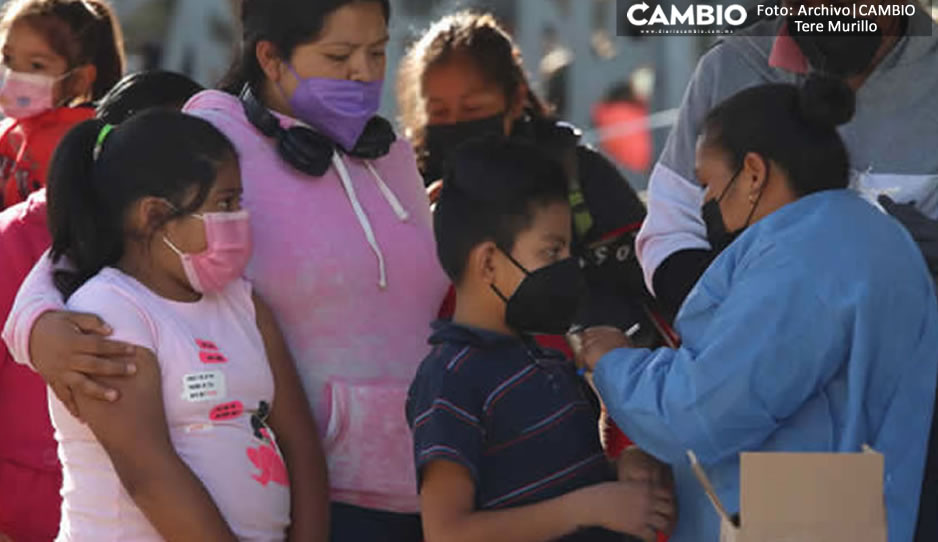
[
  {"x": 30, "y": 474},
  {"x": 449, "y": 305},
  {"x": 26, "y": 147},
  {"x": 633, "y": 146}
]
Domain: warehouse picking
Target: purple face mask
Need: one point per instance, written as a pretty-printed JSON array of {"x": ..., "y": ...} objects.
[{"x": 338, "y": 108}]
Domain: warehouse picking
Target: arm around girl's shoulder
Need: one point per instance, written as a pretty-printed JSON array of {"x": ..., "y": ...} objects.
[{"x": 63, "y": 347}]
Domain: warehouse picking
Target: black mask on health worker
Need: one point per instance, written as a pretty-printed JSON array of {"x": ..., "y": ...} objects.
[
  {"x": 442, "y": 139},
  {"x": 547, "y": 299},
  {"x": 717, "y": 234},
  {"x": 839, "y": 54}
]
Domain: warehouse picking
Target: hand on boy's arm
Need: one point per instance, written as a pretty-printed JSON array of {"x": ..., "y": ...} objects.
[
  {"x": 636, "y": 508},
  {"x": 634, "y": 465},
  {"x": 447, "y": 502},
  {"x": 447, "y": 498},
  {"x": 591, "y": 344}
]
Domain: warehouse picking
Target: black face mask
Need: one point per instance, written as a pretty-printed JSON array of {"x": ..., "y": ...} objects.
[
  {"x": 840, "y": 54},
  {"x": 717, "y": 234},
  {"x": 546, "y": 301},
  {"x": 441, "y": 139}
]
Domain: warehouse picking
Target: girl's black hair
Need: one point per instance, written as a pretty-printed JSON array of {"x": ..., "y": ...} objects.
[
  {"x": 144, "y": 90},
  {"x": 795, "y": 127},
  {"x": 480, "y": 38},
  {"x": 80, "y": 31},
  {"x": 160, "y": 152},
  {"x": 285, "y": 23}
]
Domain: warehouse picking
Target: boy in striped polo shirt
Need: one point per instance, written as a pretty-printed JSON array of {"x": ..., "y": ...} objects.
[{"x": 506, "y": 440}]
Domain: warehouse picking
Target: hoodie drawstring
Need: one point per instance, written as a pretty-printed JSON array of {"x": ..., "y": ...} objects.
[
  {"x": 392, "y": 200},
  {"x": 388, "y": 194}
]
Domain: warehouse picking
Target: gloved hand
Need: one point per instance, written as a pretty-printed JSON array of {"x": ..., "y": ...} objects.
[{"x": 923, "y": 229}]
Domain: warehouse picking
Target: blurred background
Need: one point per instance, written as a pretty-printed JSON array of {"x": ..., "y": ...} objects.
[{"x": 621, "y": 91}]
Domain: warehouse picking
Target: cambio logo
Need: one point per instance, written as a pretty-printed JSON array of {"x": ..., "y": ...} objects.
[{"x": 692, "y": 15}]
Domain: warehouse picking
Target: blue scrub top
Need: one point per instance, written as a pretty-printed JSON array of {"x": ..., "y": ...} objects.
[{"x": 816, "y": 330}]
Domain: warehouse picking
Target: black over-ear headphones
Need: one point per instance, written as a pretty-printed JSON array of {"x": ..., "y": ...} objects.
[{"x": 307, "y": 150}]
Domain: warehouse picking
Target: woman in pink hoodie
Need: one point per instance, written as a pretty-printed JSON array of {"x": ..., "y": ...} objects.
[{"x": 344, "y": 249}]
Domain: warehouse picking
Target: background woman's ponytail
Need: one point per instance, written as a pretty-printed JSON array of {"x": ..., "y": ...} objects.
[
  {"x": 80, "y": 31},
  {"x": 826, "y": 101},
  {"x": 77, "y": 215}
]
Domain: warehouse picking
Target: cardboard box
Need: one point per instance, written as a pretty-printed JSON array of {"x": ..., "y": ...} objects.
[{"x": 805, "y": 497}]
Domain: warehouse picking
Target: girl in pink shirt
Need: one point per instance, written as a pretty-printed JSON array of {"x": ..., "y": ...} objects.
[{"x": 212, "y": 439}]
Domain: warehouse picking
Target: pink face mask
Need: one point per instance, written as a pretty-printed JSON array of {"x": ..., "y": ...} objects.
[
  {"x": 228, "y": 250},
  {"x": 25, "y": 95}
]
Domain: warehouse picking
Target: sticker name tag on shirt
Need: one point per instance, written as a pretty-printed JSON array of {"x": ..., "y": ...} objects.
[
  {"x": 203, "y": 386},
  {"x": 226, "y": 411},
  {"x": 198, "y": 428}
]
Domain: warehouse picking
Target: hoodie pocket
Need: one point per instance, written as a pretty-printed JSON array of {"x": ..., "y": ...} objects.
[{"x": 368, "y": 444}]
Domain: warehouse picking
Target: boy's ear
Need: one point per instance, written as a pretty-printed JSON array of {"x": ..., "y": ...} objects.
[{"x": 482, "y": 262}]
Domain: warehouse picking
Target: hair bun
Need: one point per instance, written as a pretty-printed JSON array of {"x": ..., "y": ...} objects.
[{"x": 826, "y": 100}]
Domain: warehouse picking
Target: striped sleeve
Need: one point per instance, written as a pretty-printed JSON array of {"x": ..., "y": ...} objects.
[{"x": 446, "y": 415}]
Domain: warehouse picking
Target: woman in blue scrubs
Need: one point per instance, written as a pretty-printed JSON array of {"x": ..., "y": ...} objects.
[{"x": 815, "y": 329}]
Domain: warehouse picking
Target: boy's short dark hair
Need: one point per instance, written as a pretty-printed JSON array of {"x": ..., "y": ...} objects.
[{"x": 491, "y": 189}]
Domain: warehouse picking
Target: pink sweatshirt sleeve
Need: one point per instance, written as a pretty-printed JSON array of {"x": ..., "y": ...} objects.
[{"x": 36, "y": 296}]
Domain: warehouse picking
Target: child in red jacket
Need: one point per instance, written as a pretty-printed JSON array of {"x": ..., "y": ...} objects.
[{"x": 58, "y": 56}]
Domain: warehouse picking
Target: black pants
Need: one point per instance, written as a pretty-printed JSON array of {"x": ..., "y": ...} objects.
[
  {"x": 927, "y": 529},
  {"x": 354, "y": 524}
]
